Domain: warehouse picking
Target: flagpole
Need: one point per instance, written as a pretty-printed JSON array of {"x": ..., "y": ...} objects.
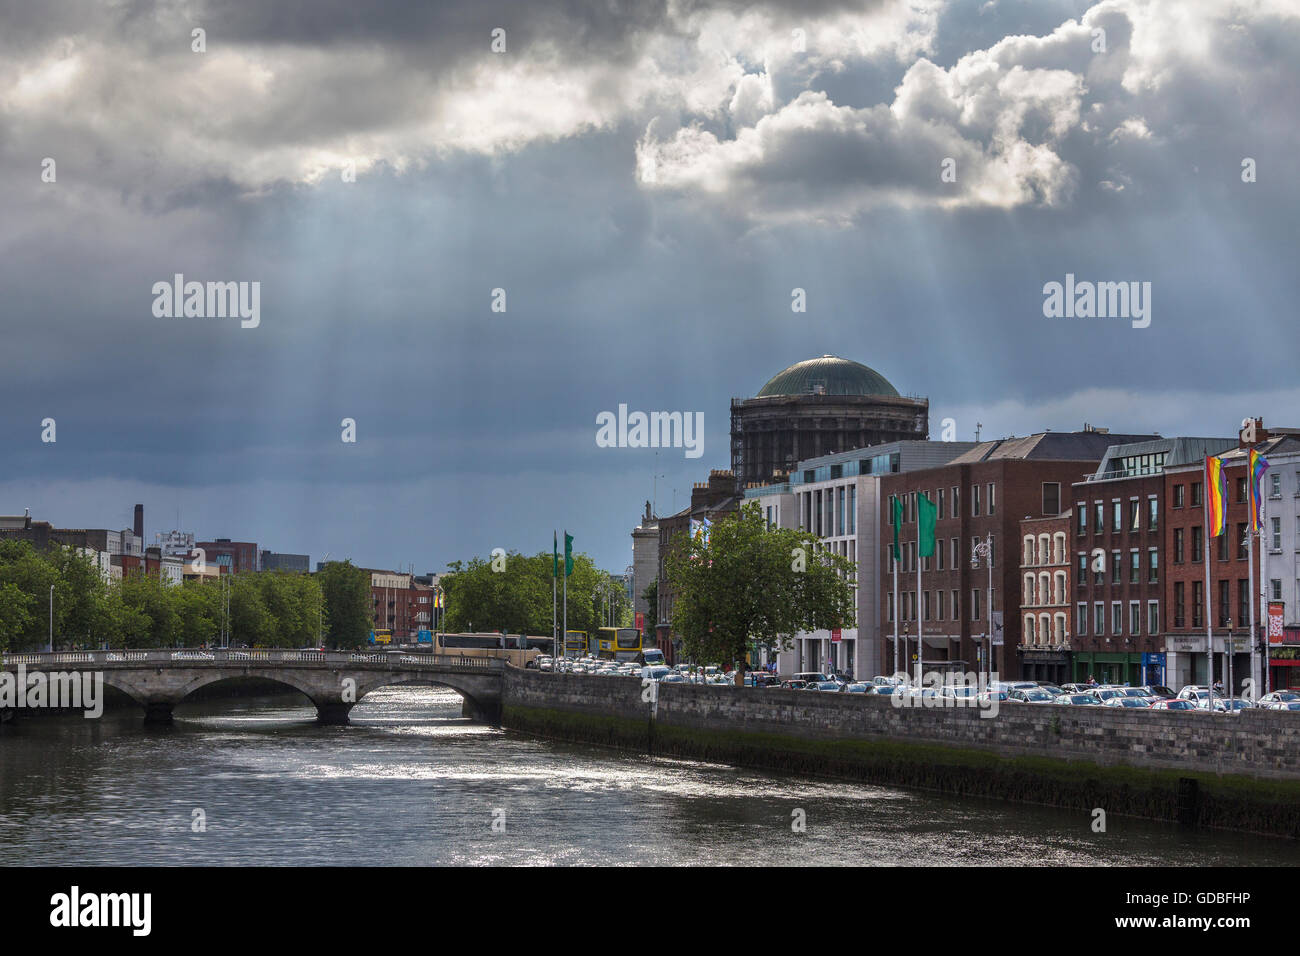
[
  {"x": 897, "y": 613},
  {"x": 1250, "y": 599},
  {"x": 555, "y": 556},
  {"x": 1209, "y": 613},
  {"x": 1263, "y": 607},
  {"x": 920, "y": 627},
  {"x": 565, "y": 634}
]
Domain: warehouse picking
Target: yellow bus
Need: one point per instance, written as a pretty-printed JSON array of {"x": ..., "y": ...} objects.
[
  {"x": 575, "y": 643},
  {"x": 510, "y": 647},
  {"x": 382, "y": 635},
  {"x": 618, "y": 643}
]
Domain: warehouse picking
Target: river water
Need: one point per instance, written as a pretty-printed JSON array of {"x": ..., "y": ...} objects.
[{"x": 412, "y": 782}]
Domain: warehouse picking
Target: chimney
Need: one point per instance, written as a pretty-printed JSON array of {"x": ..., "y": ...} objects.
[{"x": 139, "y": 521}]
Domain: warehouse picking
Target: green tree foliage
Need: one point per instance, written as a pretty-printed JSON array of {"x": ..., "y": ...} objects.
[
  {"x": 517, "y": 599},
  {"x": 348, "y": 608},
  {"x": 752, "y": 585},
  {"x": 274, "y": 609}
]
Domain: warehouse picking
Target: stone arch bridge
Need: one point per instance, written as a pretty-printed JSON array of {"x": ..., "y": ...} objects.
[{"x": 335, "y": 681}]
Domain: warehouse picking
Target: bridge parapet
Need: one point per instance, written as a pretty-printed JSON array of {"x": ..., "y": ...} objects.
[{"x": 334, "y": 681}]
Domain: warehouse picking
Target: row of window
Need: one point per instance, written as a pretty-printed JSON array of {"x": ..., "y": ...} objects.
[
  {"x": 1044, "y": 549},
  {"x": 944, "y": 605},
  {"x": 829, "y": 512},
  {"x": 947, "y": 554},
  {"x": 1044, "y": 630},
  {"x": 1117, "y": 618},
  {"x": 1044, "y": 588},
  {"x": 1129, "y": 519},
  {"x": 1117, "y": 566},
  {"x": 1224, "y": 610}
]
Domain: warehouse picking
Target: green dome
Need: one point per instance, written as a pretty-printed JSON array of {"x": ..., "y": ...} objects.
[{"x": 828, "y": 375}]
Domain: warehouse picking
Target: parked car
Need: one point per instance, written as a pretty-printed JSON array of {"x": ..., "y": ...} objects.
[
  {"x": 857, "y": 687},
  {"x": 1122, "y": 701},
  {"x": 1034, "y": 695},
  {"x": 1283, "y": 705},
  {"x": 1173, "y": 703},
  {"x": 1075, "y": 688},
  {"x": 1193, "y": 692},
  {"x": 810, "y": 677},
  {"x": 1280, "y": 697},
  {"x": 1051, "y": 688},
  {"x": 793, "y": 684},
  {"x": 1159, "y": 691},
  {"x": 1104, "y": 694},
  {"x": 1079, "y": 700}
]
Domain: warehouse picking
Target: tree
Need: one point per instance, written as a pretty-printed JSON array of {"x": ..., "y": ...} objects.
[
  {"x": 15, "y": 613},
  {"x": 754, "y": 585},
  {"x": 348, "y": 610},
  {"x": 517, "y": 598}
]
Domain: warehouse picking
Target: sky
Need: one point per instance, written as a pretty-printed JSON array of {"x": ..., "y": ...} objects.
[{"x": 647, "y": 183}]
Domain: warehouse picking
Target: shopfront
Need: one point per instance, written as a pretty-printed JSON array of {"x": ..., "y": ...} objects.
[
  {"x": 1108, "y": 668},
  {"x": 1041, "y": 665}
]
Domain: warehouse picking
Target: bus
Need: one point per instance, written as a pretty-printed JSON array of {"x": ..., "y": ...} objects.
[
  {"x": 509, "y": 647},
  {"x": 382, "y": 635},
  {"x": 575, "y": 643},
  {"x": 619, "y": 643}
]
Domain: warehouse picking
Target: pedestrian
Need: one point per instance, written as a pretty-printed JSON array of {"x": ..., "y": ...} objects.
[{"x": 1092, "y": 681}]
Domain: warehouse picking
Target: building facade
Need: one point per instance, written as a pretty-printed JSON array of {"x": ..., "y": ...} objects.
[
  {"x": 234, "y": 556},
  {"x": 645, "y": 570},
  {"x": 1045, "y": 576},
  {"x": 814, "y": 408}
]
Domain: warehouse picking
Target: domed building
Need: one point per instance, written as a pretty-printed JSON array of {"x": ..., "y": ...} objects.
[{"x": 818, "y": 407}]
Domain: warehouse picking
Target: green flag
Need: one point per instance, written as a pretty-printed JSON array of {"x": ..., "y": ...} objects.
[
  {"x": 568, "y": 554},
  {"x": 555, "y": 556},
  {"x": 925, "y": 516},
  {"x": 896, "y": 505}
]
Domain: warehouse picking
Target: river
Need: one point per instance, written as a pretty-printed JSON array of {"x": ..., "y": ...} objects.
[{"x": 412, "y": 782}]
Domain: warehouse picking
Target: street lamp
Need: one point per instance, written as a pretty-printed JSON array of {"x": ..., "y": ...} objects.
[
  {"x": 50, "y": 647},
  {"x": 320, "y": 606},
  {"x": 984, "y": 549},
  {"x": 907, "y": 634}
]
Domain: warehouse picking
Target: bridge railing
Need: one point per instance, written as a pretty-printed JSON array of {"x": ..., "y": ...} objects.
[{"x": 192, "y": 655}]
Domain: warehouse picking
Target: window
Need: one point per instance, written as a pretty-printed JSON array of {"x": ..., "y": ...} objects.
[
  {"x": 1051, "y": 497},
  {"x": 1224, "y": 609},
  {"x": 1117, "y": 516},
  {"x": 1178, "y": 496},
  {"x": 1153, "y": 513},
  {"x": 943, "y": 496},
  {"x": 1134, "y": 566},
  {"x": 853, "y": 509},
  {"x": 890, "y": 607},
  {"x": 1134, "y": 618},
  {"x": 956, "y": 504},
  {"x": 1099, "y": 570},
  {"x": 1083, "y": 568},
  {"x": 1099, "y": 618},
  {"x": 956, "y": 554},
  {"x": 1116, "y": 618},
  {"x": 925, "y": 604},
  {"x": 1178, "y": 546},
  {"x": 1275, "y": 486},
  {"x": 1222, "y": 553},
  {"x": 1028, "y": 558},
  {"x": 1081, "y": 618},
  {"x": 1153, "y": 565},
  {"x": 1241, "y": 490},
  {"x": 1115, "y": 567},
  {"x": 1153, "y": 617},
  {"x": 956, "y": 605},
  {"x": 1198, "y": 604},
  {"x": 1243, "y": 602},
  {"x": 938, "y": 553},
  {"x": 1179, "y": 596},
  {"x": 1082, "y": 510},
  {"x": 1275, "y": 542},
  {"x": 1196, "y": 544},
  {"x": 1275, "y": 589},
  {"x": 1099, "y": 517},
  {"x": 1242, "y": 552},
  {"x": 975, "y": 501},
  {"x": 938, "y": 605},
  {"x": 1196, "y": 494},
  {"x": 993, "y": 499},
  {"x": 839, "y": 518},
  {"x": 975, "y": 604}
]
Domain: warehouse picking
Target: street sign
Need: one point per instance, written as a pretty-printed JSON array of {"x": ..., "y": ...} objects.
[
  {"x": 1276, "y": 614},
  {"x": 835, "y": 636}
]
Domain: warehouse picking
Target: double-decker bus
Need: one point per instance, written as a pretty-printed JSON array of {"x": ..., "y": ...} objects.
[
  {"x": 381, "y": 635},
  {"x": 510, "y": 647},
  {"x": 618, "y": 643},
  {"x": 575, "y": 643}
]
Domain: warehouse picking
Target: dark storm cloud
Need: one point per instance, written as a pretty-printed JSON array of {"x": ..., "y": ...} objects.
[{"x": 476, "y": 429}]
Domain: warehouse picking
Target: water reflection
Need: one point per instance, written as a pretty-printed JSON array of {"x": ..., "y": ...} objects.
[{"x": 412, "y": 782}]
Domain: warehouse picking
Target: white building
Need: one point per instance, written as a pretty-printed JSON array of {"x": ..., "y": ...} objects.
[{"x": 836, "y": 497}]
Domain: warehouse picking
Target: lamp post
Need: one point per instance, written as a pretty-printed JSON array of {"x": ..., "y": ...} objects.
[
  {"x": 907, "y": 633},
  {"x": 50, "y": 646},
  {"x": 320, "y": 607},
  {"x": 984, "y": 549}
]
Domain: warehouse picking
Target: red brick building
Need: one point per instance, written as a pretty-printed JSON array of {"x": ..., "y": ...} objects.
[
  {"x": 1046, "y": 573},
  {"x": 981, "y": 495},
  {"x": 1119, "y": 541},
  {"x": 1230, "y": 561},
  {"x": 236, "y": 556}
]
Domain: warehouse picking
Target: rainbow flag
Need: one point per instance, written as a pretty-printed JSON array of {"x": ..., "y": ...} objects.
[
  {"x": 1258, "y": 464},
  {"x": 1216, "y": 498}
]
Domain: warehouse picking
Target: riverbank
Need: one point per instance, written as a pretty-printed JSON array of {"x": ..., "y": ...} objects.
[{"x": 1027, "y": 754}]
